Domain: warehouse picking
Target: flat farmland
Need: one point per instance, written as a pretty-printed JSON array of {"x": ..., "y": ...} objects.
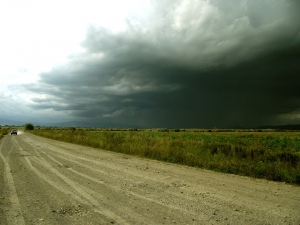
[
  {"x": 46, "y": 181},
  {"x": 270, "y": 155}
]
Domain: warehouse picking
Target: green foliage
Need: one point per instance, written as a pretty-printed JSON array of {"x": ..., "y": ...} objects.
[
  {"x": 273, "y": 156},
  {"x": 3, "y": 131},
  {"x": 28, "y": 126}
]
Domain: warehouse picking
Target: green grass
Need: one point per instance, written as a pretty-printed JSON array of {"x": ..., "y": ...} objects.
[
  {"x": 4, "y": 131},
  {"x": 270, "y": 155}
]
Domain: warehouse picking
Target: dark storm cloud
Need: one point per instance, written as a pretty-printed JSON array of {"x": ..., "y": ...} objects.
[{"x": 188, "y": 64}]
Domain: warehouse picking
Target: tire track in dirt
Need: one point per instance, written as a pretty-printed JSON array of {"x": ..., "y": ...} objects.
[
  {"x": 81, "y": 191},
  {"x": 62, "y": 155},
  {"x": 141, "y": 191},
  {"x": 175, "y": 195},
  {"x": 214, "y": 201},
  {"x": 211, "y": 202},
  {"x": 93, "y": 193},
  {"x": 116, "y": 189},
  {"x": 14, "y": 213}
]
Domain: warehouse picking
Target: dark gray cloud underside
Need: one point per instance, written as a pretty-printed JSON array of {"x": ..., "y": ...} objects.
[
  {"x": 249, "y": 94},
  {"x": 246, "y": 73}
]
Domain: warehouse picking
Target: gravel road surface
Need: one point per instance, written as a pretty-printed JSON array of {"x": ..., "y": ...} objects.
[{"x": 44, "y": 181}]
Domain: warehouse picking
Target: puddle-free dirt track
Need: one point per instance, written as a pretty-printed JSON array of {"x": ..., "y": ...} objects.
[{"x": 44, "y": 181}]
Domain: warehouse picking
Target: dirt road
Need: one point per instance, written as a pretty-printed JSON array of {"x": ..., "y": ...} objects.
[{"x": 49, "y": 182}]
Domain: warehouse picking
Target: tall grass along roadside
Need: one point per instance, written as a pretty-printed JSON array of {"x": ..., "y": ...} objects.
[
  {"x": 3, "y": 131},
  {"x": 270, "y": 155}
]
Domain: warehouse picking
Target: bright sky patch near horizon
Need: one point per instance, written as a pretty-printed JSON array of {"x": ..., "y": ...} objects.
[{"x": 226, "y": 63}]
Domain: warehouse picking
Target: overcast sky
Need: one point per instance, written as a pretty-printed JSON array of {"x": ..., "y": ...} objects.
[{"x": 152, "y": 63}]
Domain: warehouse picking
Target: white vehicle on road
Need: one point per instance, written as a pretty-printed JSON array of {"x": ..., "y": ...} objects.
[{"x": 13, "y": 131}]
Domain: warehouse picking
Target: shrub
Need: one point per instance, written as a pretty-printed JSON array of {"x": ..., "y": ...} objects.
[
  {"x": 28, "y": 126},
  {"x": 3, "y": 131}
]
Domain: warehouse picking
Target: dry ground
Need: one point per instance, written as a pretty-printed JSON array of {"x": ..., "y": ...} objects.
[{"x": 49, "y": 182}]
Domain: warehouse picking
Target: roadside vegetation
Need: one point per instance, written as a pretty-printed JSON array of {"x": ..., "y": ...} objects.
[
  {"x": 3, "y": 131},
  {"x": 28, "y": 126},
  {"x": 270, "y": 155}
]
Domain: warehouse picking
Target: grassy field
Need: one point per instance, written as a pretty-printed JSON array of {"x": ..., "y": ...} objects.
[
  {"x": 3, "y": 131},
  {"x": 270, "y": 155}
]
